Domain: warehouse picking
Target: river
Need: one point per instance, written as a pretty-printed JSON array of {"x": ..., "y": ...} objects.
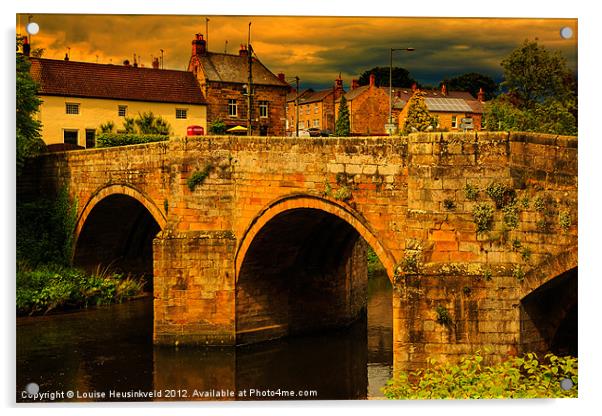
[{"x": 106, "y": 354}]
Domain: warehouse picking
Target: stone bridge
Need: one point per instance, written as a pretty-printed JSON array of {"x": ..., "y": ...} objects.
[{"x": 258, "y": 238}]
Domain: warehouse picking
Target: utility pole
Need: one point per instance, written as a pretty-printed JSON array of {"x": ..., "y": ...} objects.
[
  {"x": 250, "y": 89},
  {"x": 207, "y": 33},
  {"x": 297, "y": 107}
]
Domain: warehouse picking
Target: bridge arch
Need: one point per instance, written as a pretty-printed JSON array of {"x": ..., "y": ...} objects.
[
  {"x": 549, "y": 306},
  {"x": 325, "y": 204},
  {"x": 301, "y": 267},
  {"x": 115, "y": 229}
]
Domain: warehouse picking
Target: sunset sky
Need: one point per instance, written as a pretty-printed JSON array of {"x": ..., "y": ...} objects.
[{"x": 314, "y": 48}]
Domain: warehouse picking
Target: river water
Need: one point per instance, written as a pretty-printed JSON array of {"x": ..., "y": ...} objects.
[{"x": 106, "y": 353}]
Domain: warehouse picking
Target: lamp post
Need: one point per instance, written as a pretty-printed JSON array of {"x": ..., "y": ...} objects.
[
  {"x": 391, "y": 82},
  {"x": 296, "y": 79}
]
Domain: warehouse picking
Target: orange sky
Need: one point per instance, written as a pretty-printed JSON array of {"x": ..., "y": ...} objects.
[{"x": 314, "y": 48}]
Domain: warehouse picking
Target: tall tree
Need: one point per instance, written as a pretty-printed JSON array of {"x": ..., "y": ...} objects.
[
  {"x": 418, "y": 118},
  {"x": 532, "y": 74},
  {"x": 540, "y": 93},
  {"x": 29, "y": 140},
  {"x": 472, "y": 82},
  {"x": 342, "y": 127},
  {"x": 401, "y": 77}
]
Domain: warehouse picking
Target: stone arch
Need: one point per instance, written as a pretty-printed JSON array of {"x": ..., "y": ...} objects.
[
  {"x": 115, "y": 230},
  {"x": 548, "y": 270},
  {"x": 549, "y": 306},
  {"x": 116, "y": 189},
  {"x": 328, "y": 205}
]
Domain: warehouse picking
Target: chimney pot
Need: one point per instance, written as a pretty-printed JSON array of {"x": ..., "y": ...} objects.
[
  {"x": 481, "y": 95},
  {"x": 156, "y": 63},
  {"x": 414, "y": 87},
  {"x": 443, "y": 90},
  {"x": 281, "y": 77},
  {"x": 354, "y": 84},
  {"x": 126, "y": 62},
  {"x": 243, "y": 50},
  {"x": 372, "y": 79}
]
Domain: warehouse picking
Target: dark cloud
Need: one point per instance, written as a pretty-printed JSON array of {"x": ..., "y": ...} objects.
[{"x": 316, "y": 49}]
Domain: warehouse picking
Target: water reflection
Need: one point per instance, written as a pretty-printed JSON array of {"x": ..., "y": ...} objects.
[{"x": 110, "y": 348}]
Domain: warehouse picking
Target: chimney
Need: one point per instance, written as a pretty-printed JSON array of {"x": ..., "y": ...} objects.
[
  {"x": 372, "y": 78},
  {"x": 243, "y": 50},
  {"x": 66, "y": 57},
  {"x": 281, "y": 77},
  {"x": 481, "y": 95},
  {"x": 414, "y": 87},
  {"x": 199, "y": 45},
  {"x": 155, "y": 63},
  {"x": 443, "y": 90},
  {"x": 126, "y": 62},
  {"x": 354, "y": 84},
  {"x": 338, "y": 83},
  {"x": 26, "y": 47}
]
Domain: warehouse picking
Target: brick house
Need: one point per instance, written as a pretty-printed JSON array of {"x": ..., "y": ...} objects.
[
  {"x": 368, "y": 108},
  {"x": 224, "y": 78},
  {"x": 455, "y": 110},
  {"x": 316, "y": 108}
]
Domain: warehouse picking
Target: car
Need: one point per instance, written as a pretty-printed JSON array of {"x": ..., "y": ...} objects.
[{"x": 314, "y": 132}]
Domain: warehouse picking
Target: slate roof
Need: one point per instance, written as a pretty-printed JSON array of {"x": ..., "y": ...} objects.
[
  {"x": 453, "y": 101},
  {"x": 315, "y": 96},
  {"x": 223, "y": 67},
  {"x": 91, "y": 80}
]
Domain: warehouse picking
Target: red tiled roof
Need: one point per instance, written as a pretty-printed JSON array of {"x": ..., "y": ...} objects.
[{"x": 90, "y": 80}]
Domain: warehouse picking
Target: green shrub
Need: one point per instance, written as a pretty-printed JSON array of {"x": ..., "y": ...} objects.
[
  {"x": 564, "y": 220},
  {"x": 343, "y": 194},
  {"x": 409, "y": 264},
  {"x": 510, "y": 216},
  {"x": 501, "y": 194},
  {"x": 449, "y": 204},
  {"x": 539, "y": 204},
  {"x": 49, "y": 287},
  {"x": 217, "y": 126},
  {"x": 198, "y": 177},
  {"x": 443, "y": 316},
  {"x": 117, "y": 139},
  {"x": 483, "y": 217},
  {"x": 471, "y": 192},
  {"x": 374, "y": 263},
  {"x": 45, "y": 229},
  {"x": 516, "y": 377},
  {"x": 518, "y": 273}
]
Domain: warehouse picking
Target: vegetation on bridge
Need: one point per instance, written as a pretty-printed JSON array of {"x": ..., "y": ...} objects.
[
  {"x": 117, "y": 139},
  {"x": 517, "y": 377}
]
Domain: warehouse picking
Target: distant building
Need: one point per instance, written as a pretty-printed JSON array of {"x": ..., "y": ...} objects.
[
  {"x": 224, "y": 82},
  {"x": 368, "y": 108},
  {"x": 316, "y": 108},
  {"x": 455, "y": 110},
  {"x": 77, "y": 97}
]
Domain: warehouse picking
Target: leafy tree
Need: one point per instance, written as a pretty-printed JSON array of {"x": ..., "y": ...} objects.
[
  {"x": 418, "y": 118},
  {"x": 107, "y": 127},
  {"x": 342, "y": 126},
  {"x": 472, "y": 82},
  {"x": 532, "y": 75},
  {"x": 400, "y": 77},
  {"x": 147, "y": 123},
  {"x": 217, "y": 126},
  {"x": 29, "y": 140},
  {"x": 540, "y": 94}
]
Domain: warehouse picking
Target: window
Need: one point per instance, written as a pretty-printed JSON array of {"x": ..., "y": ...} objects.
[
  {"x": 70, "y": 137},
  {"x": 232, "y": 108},
  {"x": 454, "y": 122},
  {"x": 263, "y": 109},
  {"x": 307, "y": 123},
  {"x": 122, "y": 110},
  {"x": 316, "y": 109},
  {"x": 71, "y": 108},
  {"x": 307, "y": 109},
  {"x": 181, "y": 113},
  {"x": 90, "y": 138},
  {"x": 316, "y": 123}
]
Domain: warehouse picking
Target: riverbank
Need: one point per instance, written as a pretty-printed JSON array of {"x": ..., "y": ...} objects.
[{"x": 51, "y": 288}]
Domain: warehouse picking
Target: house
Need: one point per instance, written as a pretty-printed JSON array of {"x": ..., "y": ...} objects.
[
  {"x": 224, "y": 80},
  {"x": 455, "y": 110},
  {"x": 368, "y": 108},
  {"x": 316, "y": 108},
  {"x": 77, "y": 97}
]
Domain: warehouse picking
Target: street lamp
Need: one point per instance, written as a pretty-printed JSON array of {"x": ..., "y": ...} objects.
[
  {"x": 391, "y": 83},
  {"x": 296, "y": 79}
]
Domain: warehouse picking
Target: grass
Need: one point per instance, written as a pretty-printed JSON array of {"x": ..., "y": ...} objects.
[{"x": 46, "y": 288}]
